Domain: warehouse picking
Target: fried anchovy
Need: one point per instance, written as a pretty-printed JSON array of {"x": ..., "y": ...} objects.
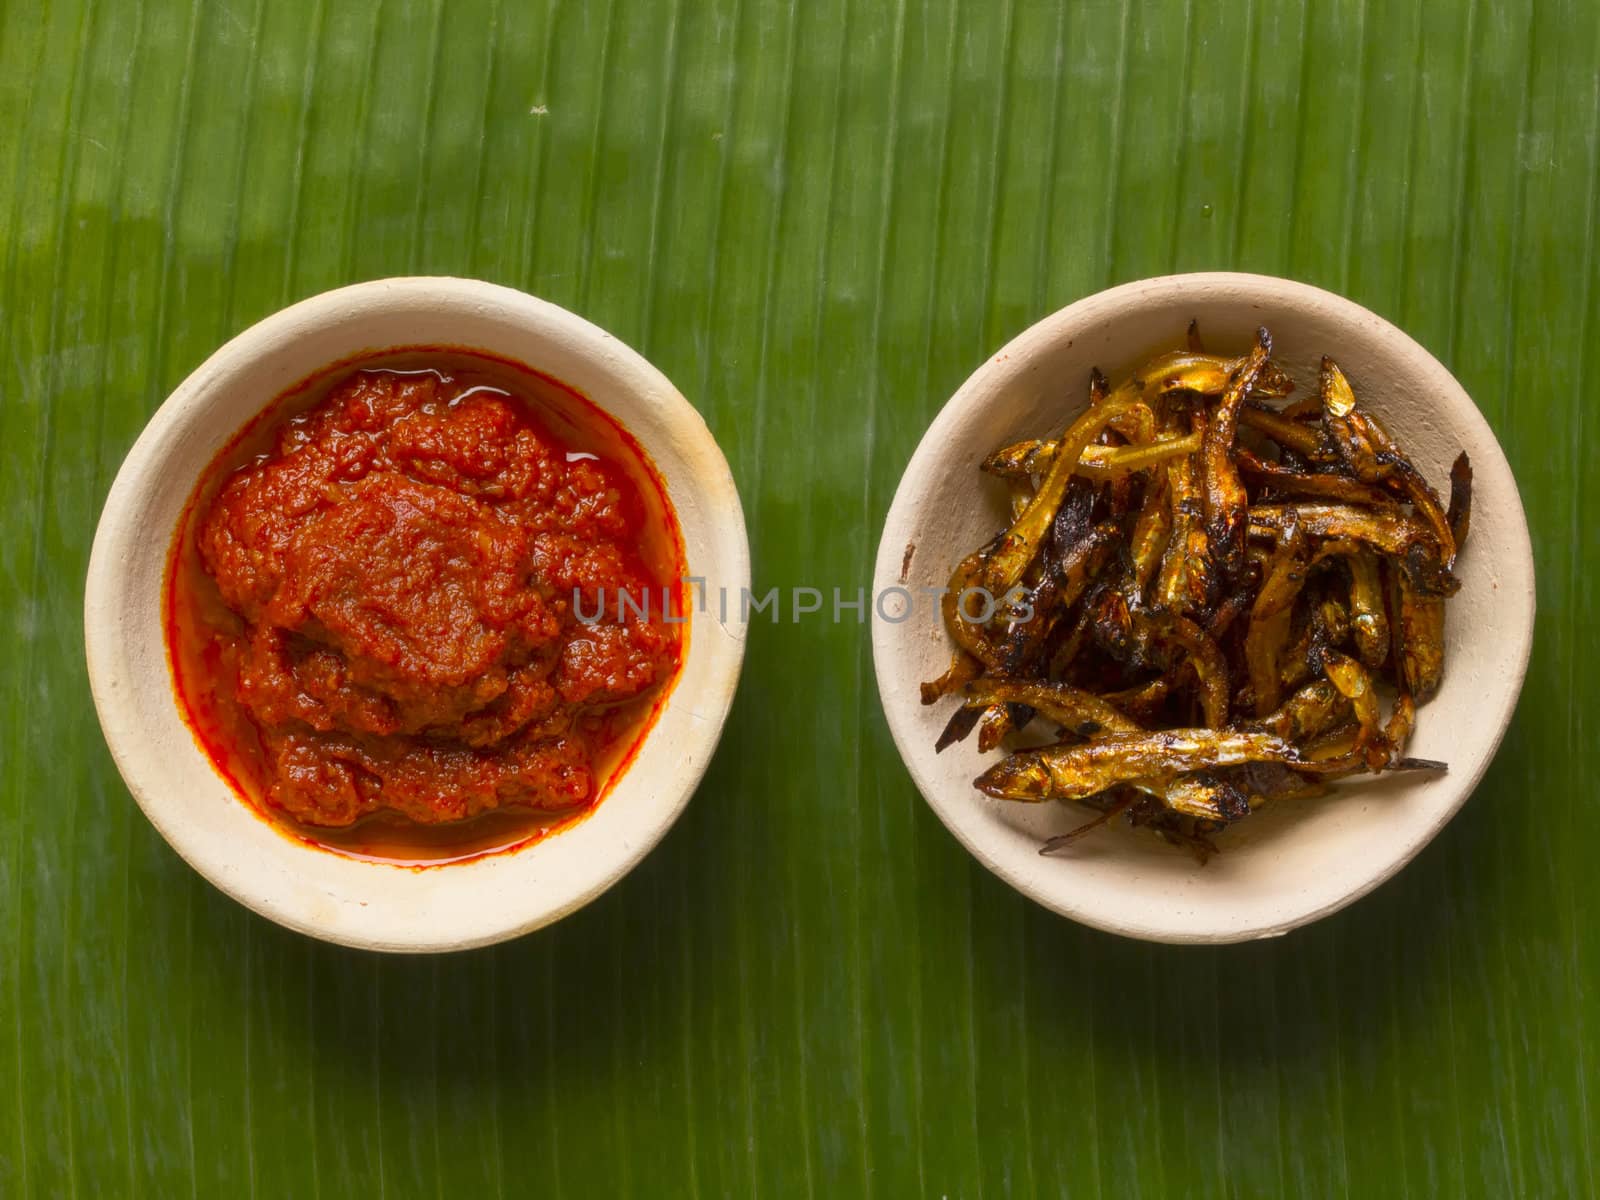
[
  {"x": 1307, "y": 441},
  {"x": 1152, "y": 529},
  {"x": 1312, "y": 710},
  {"x": 1232, "y": 793},
  {"x": 1356, "y": 686},
  {"x": 1185, "y": 583},
  {"x": 1036, "y": 455},
  {"x": 1072, "y": 772},
  {"x": 1369, "y": 624},
  {"x": 1372, "y": 456},
  {"x": 1417, "y": 638},
  {"x": 1271, "y": 616},
  {"x": 1016, "y": 548},
  {"x": 1394, "y": 533},
  {"x": 1224, "y": 495},
  {"x": 1288, "y": 482},
  {"x": 1074, "y": 709}
]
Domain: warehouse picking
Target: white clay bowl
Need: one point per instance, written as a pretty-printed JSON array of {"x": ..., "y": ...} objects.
[
  {"x": 1289, "y": 863},
  {"x": 340, "y": 899}
]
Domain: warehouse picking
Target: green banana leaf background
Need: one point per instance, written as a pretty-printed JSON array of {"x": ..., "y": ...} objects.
[{"x": 816, "y": 217}]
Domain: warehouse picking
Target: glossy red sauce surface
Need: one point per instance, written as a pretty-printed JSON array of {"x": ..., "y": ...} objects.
[{"x": 374, "y": 605}]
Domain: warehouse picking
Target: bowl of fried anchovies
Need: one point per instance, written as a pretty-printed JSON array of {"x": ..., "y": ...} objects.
[{"x": 1202, "y": 606}]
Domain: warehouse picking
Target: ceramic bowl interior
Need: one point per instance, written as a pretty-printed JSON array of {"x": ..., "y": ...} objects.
[
  {"x": 1289, "y": 863},
  {"x": 325, "y": 895}
]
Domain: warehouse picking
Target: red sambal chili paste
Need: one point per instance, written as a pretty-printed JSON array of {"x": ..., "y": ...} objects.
[{"x": 372, "y": 614}]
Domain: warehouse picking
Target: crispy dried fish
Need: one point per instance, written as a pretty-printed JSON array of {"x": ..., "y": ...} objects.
[
  {"x": 1289, "y": 483},
  {"x": 1372, "y": 456},
  {"x": 1271, "y": 617},
  {"x": 1183, "y": 553},
  {"x": 1369, "y": 623},
  {"x": 1312, "y": 710},
  {"x": 1074, "y": 709},
  {"x": 1226, "y": 501},
  {"x": 1393, "y": 533},
  {"x": 1072, "y": 772},
  {"x": 1418, "y": 638},
  {"x": 1000, "y": 569},
  {"x": 1025, "y": 459}
]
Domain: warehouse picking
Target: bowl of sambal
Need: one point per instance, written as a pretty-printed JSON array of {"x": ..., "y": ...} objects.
[{"x": 394, "y": 617}]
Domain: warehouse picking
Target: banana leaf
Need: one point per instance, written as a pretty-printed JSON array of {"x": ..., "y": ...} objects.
[{"x": 816, "y": 218}]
